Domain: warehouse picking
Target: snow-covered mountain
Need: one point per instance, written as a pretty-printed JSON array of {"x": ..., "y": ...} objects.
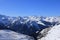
[
  {"x": 53, "y": 34},
  {"x": 11, "y": 35},
  {"x": 29, "y": 25}
]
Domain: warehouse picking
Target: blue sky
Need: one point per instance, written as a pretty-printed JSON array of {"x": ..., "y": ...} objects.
[{"x": 30, "y": 7}]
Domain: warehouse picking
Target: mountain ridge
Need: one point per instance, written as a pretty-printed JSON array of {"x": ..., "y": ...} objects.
[{"x": 29, "y": 25}]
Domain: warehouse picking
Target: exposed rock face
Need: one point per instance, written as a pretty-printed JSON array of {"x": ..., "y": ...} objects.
[{"x": 43, "y": 33}]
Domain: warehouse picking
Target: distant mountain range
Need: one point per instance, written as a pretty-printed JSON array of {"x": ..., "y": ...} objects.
[{"x": 28, "y": 25}]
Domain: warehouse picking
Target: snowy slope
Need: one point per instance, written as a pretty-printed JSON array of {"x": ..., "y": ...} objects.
[
  {"x": 53, "y": 34},
  {"x": 11, "y": 35}
]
